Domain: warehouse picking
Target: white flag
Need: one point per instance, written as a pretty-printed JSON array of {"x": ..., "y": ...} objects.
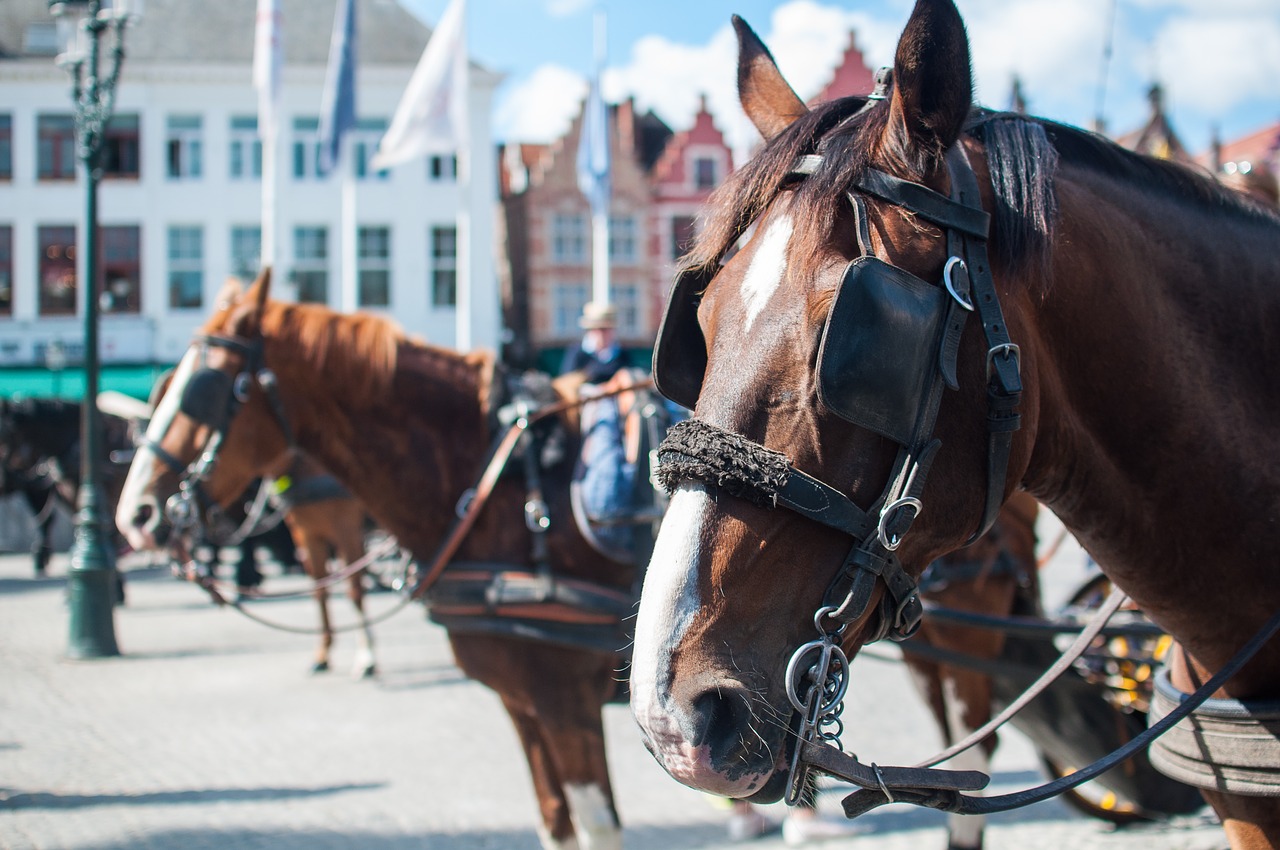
[
  {"x": 432, "y": 115},
  {"x": 268, "y": 64}
]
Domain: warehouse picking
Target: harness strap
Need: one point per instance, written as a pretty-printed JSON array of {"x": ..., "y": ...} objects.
[{"x": 927, "y": 204}]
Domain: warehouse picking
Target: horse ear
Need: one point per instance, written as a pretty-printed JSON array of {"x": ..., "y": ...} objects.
[
  {"x": 768, "y": 100},
  {"x": 262, "y": 287},
  {"x": 932, "y": 86}
]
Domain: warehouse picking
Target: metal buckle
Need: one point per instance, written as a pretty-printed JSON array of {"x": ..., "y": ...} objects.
[
  {"x": 1007, "y": 350},
  {"x": 952, "y": 263},
  {"x": 889, "y": 509}
]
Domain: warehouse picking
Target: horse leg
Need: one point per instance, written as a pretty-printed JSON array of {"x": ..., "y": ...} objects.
[
  {"x": 315, "y": 554},
  {"x": 574, "y": 731},
  {"x": 556, "y": 830},
  {"x": 350, "y": 547},
  {"x": 967, "y": 695},
  {"x": 1251, "y": 823}
]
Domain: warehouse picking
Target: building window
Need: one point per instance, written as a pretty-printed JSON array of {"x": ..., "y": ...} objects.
[
  {"x": 682, "y": 233},
  {"x": 57, "y": 247},
  {"x": 246, "y": 252},
  {"x": 184, "y": 146},
  {"x": 306, "y": 148},
  {"x": 121, "y": 276},
  {"x": 626, "y": 298},
  {"x": 622, "y": 240},
  {"x": 55, "y": 147},
  {"x": 120, "y": 158},
  {"x": 245, "y": 153},
  {"x": 568, "y": 238},
  {"x": 375, "y": 266},
  {"x": 705, "y": 173},
  {"x": 442, "y": 169},
  {"x": 364, "y": 143},
  {"x": 567, "y": 301},
  {"x": 6, "y": 270},
  {"x": 6, "y": 147},
  {"x": 444, "y": 266},
  {"x": 186, "y": 267},
  {"x": 311, "y": 264}
]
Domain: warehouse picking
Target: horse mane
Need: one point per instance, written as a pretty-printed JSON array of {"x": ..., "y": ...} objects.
[
  {"x": 359, "y": 351},
  {"x": 1023, "y": 154},
  {"x": 1085, "y": 149}
]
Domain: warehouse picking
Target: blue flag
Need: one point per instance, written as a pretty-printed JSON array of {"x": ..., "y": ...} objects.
[
  {"x": 338, "y": 103},
  {"x": 593, "y": 150}
]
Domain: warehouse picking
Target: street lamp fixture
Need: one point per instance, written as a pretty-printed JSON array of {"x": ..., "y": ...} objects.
[{"x": 91, "y": 579}]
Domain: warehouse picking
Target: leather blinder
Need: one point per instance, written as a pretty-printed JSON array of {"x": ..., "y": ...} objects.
[
  {"x": 880, "y": 347},
  {"x": 680, "y": 353}
]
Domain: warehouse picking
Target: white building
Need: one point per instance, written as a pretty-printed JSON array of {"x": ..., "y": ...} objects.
[{"x": 180, "y": 205}]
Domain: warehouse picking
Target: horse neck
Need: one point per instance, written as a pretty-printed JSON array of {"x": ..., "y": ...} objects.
[
  {"x": 1157, "y": 361},
  {"x": 406, "y": 453}
]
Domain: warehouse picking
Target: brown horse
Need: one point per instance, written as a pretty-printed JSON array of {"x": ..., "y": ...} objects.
[
  {"x": 1134, "y": 336},
  {"x": 324, "y": 522},
  {"x": 405, "y": 426}
]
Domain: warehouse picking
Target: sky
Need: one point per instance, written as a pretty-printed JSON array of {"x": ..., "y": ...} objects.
[{"x": 1217, "y": 60}]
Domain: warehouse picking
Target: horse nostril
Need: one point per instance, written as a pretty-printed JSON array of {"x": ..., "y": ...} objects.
[
  {"x": 143, "y": 515},
  {"x": 719, "y": 719}
]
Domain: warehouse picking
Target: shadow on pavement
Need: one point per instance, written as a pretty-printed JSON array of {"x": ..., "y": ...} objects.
[{"x": 10, "y": 799}]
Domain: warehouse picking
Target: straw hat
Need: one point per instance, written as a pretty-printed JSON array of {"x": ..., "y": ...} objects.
[{"x": 596, "y": 315}]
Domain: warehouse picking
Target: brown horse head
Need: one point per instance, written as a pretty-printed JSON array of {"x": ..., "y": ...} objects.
[
  {"x": 222, "y": 420},
  {"x": 862, "y": 234}
]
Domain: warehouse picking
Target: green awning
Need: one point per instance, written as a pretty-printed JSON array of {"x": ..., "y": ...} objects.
[{"x": 38, "y": 382}]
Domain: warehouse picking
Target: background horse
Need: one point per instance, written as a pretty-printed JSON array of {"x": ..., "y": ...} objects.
[
  {"x": 321, "y": 521},
  {"x": 1144, "y": 300},
  {"x": 406, "y": 427},
  {"x": 40, "y": 457}
]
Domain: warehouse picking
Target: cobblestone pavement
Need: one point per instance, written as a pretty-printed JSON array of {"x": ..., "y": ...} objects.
[{"x": 209, "y": 731}]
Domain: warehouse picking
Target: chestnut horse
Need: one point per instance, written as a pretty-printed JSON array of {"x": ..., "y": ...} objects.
[
  {"x": 1127, "y": 313},
  {"x": 405, "y": 426},
  {"x": 324, "y": 521}
]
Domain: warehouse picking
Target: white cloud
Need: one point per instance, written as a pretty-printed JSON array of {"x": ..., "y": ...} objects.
[
  {"x": 540, "y": 107},
  {"x": 1217, "y": 61}
]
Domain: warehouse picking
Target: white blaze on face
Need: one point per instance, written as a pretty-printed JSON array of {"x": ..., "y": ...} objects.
[
  {"x": 142, "y": 471},
  {"x": 667, "y": 606},
  {"x": 769, "y": 264}
]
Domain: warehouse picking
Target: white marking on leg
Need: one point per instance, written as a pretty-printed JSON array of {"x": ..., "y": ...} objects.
[
  {"x": 549, "y": 843},
  {"x": 593, "y": 818},
  {"x": 963, "y": 830},
  {"x": 769, "y": 264},
  {"x": 142, "y": 471},
  {"x": 668, "y": 604},
  {"x": 366, "y": 665}
]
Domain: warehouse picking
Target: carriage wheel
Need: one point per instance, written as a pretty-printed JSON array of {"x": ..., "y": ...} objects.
[{"x": 1094, "y": 800}]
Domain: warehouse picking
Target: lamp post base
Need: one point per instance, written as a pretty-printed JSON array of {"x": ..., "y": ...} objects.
[{"x": 91, "y": 589}]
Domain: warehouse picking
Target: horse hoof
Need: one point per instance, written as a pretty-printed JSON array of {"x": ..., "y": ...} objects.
[
  {"x": 368, "y": 672},
  {"x": 320, "y": 667}
]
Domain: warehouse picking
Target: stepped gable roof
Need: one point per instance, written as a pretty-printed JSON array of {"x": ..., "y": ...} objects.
[
  {"x": 670, "y": 166},
  {"x": 851, "y": 76},
  {"x": 1157, "y": 137}
]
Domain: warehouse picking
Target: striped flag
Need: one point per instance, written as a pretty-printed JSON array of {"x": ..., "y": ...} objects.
[
  {"x": 338, "y": 103},
  {"x": 432, "y": 115},
  {"x": 268, "y": 64}
]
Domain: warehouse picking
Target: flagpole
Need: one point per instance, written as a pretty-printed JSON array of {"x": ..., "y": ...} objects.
[
  {"x": 350, "y": 236},
  {"x": 600, "y": 212},
  {"x": 268, "y": 197},
  {"x": 462, "y": 240}
]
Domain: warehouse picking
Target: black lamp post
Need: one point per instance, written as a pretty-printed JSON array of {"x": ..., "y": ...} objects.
[{"x": 91, "y": 579}]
